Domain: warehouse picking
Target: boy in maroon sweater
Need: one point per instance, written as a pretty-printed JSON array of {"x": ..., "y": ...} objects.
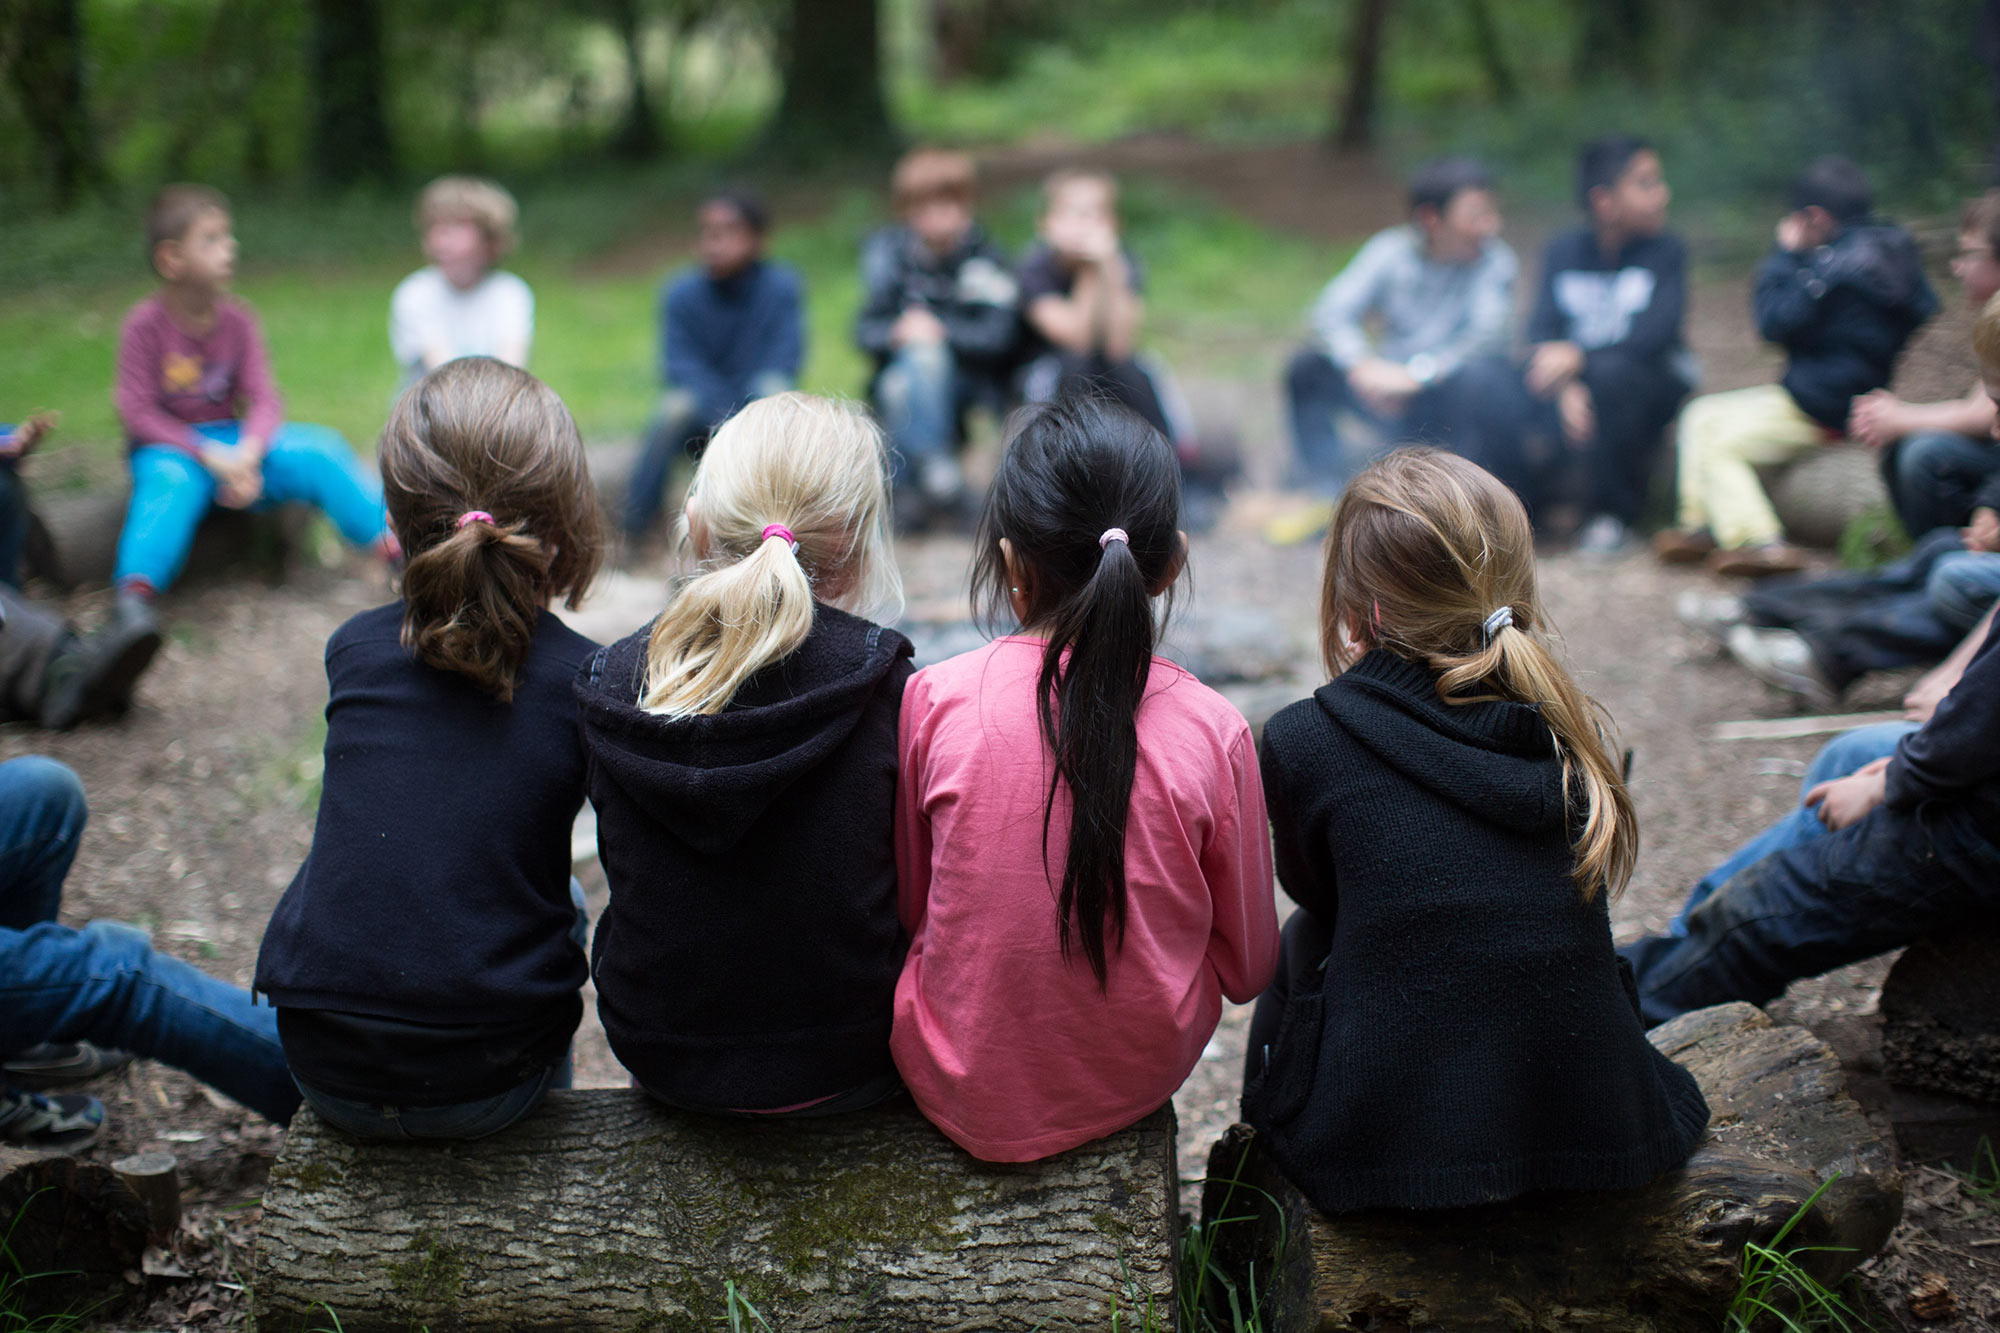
[{"x": 202, "y": 413}]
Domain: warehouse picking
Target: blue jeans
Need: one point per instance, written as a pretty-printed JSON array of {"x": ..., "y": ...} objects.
[
  {"x": 1844, "y": 754},
  {"x": 172, "y": 492},
  {"x": 105, "y": 983},
  {"x": 680, "y": 429},
  {"x": 1452, "y": 413},
  {"x": 1934, "y": 476},
  {"x": 921, "y": 395}
]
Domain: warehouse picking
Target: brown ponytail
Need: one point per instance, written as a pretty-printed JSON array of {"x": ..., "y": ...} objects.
[{"x": 480, "y": 441}]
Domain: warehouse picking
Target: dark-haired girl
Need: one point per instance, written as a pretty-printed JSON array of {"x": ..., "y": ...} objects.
[
  {"x": 426, "y": 960},
  {"x": 1083, "y": 864}
]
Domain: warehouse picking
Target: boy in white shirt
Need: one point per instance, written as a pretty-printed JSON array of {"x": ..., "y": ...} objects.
[{"x": 460, "y": 304}]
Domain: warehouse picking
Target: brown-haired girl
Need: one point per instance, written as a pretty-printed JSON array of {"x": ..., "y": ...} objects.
[
  {"x": 426, "y": 960},
  {"x": 1449, "y": 1025}
]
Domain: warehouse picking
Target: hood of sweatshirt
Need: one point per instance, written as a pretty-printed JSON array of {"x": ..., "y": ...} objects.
[
  {"x": 707, "y": 780},
  {"x": 1497, "y": 761},
  {"x": 1882, "y": 263}
]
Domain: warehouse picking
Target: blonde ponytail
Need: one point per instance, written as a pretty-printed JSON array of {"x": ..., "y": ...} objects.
[{"x": 790, "y": 506}]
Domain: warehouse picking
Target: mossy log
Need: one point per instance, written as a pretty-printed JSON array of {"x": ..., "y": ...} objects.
[
  {"x": 1818, "y": 494},
  {"x": 74, "y": 1221},
  {"x": 1941, "y": 1015},
  {"x": 605, "y": 1210},
  {"x": 75, "y": 541},
  {"x": 1661, "y": 1259}
]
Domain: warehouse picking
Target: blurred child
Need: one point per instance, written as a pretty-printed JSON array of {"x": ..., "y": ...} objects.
[
  {"x": 1449, "y": 1025},
  {"x": 460, "y": 304},
  {"x": 938, "y": 317},
  {"x": 732, "y": 330},
  {"x": 1939, "y": 459},
  {"x": 427, "y": 961},
  {"x": 1067, "y": 767},
  {"x": 1841, "y": 294},
  {"x": 203, "y": 415},
  {"x": 1606, "y": 368},
  {"x": 743, "y": 765}
]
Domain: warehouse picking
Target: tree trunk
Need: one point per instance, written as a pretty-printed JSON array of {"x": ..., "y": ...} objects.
[
  {"x": 350, "y": 134},
  {"x": 1615, "y": 41},
  {"x": 1356, "y": 123},
  {"x": 74, "y": 1220},
  {"x": 638, "y": 135},
  {"x": 1941, "y": 1015},
  {"x": 605, "y": 1210},
  {"x": 1664, "y": 1258},
  {"x": 833, "y": 83},
  {"x": 74, "y": 540},
  {"x": 47, "y": 73},
  {"x": 1492, "y": 55}
]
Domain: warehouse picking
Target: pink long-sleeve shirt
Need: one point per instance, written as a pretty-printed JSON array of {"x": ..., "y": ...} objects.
[
  {"x": 1010, "y": 1050},
  {"x": 169, "y": 380}
]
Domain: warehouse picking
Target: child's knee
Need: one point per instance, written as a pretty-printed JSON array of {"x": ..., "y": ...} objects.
[
  {"x": 1962, "y": 586},
  {"x": 50, "y": 788}
]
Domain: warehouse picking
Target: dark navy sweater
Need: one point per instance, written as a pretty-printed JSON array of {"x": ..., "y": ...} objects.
[
  {"x": 1629, "y": 304},
  {"x": 718, "y": 336},
  {"x": 1952, "y": 763}
]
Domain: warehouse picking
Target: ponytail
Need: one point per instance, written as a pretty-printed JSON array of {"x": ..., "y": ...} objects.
[
  {"x": 470, "y": 602},
  {"x": 724, "y": 626}
]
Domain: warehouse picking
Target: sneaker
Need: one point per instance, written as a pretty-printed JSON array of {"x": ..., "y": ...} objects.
[
  {"x": 1603, "y": 537},
  {"x": 68, "y": 1122},
  {"x": 41, "y": 1067},
  {"x": 95, "y": 674},
  {"x": 1683, "y": 546},
  {"x": 1782, "y": 658},
  {"x": 1757, "y": 562},
  {"x": 1712, "y": 614}
]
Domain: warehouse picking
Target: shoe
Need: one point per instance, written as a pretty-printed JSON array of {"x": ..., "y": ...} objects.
[
  {"x": 1760, "y": 561},
  {"x": 1603, "y": 537},
  {"x": 1683, "y": 546},
  {"x": 1782, "y": 658},
  {"x": 67, "y": 1122},
  {"x": 42, "y": 1067},
  {"x": 941, "y": 480},
  {"x": 1300, "y": 526},
  {"x": 95, "y": 674},
  {"x": 1710, "y": 613}
]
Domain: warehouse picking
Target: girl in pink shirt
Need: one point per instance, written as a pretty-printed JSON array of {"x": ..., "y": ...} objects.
[{"x": 1083, "y": 865}]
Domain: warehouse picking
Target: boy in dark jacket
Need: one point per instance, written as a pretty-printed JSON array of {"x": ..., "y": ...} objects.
[
  {"x": 732, "y": 329},
  {"x": 1841, "y": 294},
  {"x": 939, "y": 318}
]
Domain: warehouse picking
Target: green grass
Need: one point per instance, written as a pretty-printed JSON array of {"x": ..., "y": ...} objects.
[
  {"x": 1775, "y": 1292},
  {"x": 15, "y": 1281},
  {"x": 1982, "y": 1182}
]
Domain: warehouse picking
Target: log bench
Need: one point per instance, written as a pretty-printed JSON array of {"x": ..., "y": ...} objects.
[
  {"x": 1941, "y": 1045},
  {"x": 1819, "y": 493},
  {"x": 605, "y": 1210},
  {"x": 1660, "y": 1259}
]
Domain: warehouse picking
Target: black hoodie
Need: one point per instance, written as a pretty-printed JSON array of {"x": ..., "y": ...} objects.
[
  {"x": 1842, "y": 312},
  {"x": 748, "y": 959},
  {"x": 1470, "y": 1037}
]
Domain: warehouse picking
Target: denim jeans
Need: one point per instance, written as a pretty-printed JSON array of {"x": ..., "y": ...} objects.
[
  {"x": 104, "y": 983},
  {"x": 1934, "y": 476},
  {"x": 921, "y": 395},
  {"x": 872, "y": 1093},
  {"x": 1873, "y": 886},
  {"x": 1449, "y": 413},
  {"x": 679, "y": 429},
  {"x": 172, "y": 492},
  {"x": 1128, "y": 382},
  {"x": 1844, "y": 754}
]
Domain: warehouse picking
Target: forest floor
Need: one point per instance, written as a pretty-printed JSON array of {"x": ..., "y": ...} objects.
[{"x": 203, "y": 796}]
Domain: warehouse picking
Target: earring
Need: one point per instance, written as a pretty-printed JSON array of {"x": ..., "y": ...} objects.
[{"x": 1015, "y": 591}]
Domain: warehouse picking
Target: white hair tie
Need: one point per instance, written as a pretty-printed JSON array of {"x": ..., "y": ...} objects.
[
  {"x": 1499, "y": 620},
  {"x": 1113, "y": 535}
]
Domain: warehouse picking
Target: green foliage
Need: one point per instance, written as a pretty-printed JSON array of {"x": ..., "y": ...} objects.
[
  {"x": 1872, "y": 539},
  {"x": 15, "y": 1281},
  {"x": 1982, "y": 1182},
  {"x": 1774, "y": 1291},
  {"x": 741, "y": 1314}
]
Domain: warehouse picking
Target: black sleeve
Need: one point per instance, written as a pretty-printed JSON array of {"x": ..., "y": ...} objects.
[
  {"x": 1546, "y": 323},
  {"x": 1656, "y": 330},
  {"x": 1303, "y": 860},
  {"x": 982, "y": 319},
  {"x": 1040, "y": 275},
  {"x": 1959, "y": 747},
  {"x": 1988, "y": 494}
]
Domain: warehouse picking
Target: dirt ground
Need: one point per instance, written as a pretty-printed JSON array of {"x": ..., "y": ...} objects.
[{"x": 202, "y": 797}]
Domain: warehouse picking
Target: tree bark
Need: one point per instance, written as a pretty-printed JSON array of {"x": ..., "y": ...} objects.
[
  {"x": 1941, "y": 1015},
  {"x": 1356, "y": 123},
  {"x": 74, "y": 1220},
  {"x": 1818, "y": 495},
  {"x": 350, "y": 133},
  {"x": 833, "y": 82},
  {"x": 47, "y": 73},
  {"x": 75, "y": 538},
  {"x": 638, "y": 135},
  {"x": 1660, "y": 1259},
  {"x": 1615, "y": 41},
  {"x": 607, "y": 1211},
  {"x": 1492, "y": 55}
]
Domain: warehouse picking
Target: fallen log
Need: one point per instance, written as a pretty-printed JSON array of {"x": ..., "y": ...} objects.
[
  {"x": 605, "y": 1210},
  {"x": 73, "y": 1229},
  {"x": 1818, "y": 494},
  {"x": 1941, "y": 1015},
  {"x": 76, "y": 539},
  {"x": 1660, "y": 1259}
]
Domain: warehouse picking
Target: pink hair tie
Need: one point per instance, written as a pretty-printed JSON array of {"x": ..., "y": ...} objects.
[
  {"x": 1113, "y": 535},
  {"x": 474, "y": 516},
  {"x": 780, "y": 530}
]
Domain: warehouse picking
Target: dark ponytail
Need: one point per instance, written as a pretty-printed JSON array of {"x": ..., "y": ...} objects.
[
  {"x": 1073, "y": 471},
  {"x": 489, "y": 494}
]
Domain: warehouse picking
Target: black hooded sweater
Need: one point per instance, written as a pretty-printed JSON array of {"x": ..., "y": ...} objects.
[
  {"x": 1471, "y": 1036},
  {"x": 749, "y": 956}
]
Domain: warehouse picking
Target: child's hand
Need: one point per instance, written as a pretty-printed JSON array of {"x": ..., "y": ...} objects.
[
  {"x": 1876, "y": 419},
  {"x": 1983, "y": 533},
  {"x": 1848, "y": 800},
  {"x": 239, "y": 476},
  {"x": 1553, "y": 365},
  {"x": 1792, "y": 232},
  {"x": 1383, "y": 385},
  {"x": 1578, "y": 412},
  {"x": 917, "y": 325},
  {"x": 29, "y": 434}
]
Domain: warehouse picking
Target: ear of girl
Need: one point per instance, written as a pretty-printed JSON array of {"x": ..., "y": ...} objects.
[{"x": 1068, "y": 763}]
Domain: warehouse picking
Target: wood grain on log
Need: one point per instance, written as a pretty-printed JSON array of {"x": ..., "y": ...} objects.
[
  {"x": 82, "y": 538},
  {"x": 1941, "y": 1015},
  {"x": 74, "y": 1221},
  {"x": 156, "y": 1178},
  {"x": 604, "y": 1210},
  {"x": 1661, "y": 1259}
]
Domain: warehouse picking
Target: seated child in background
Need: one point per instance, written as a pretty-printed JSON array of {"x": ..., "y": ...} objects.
[
  {"x": 460, "y": 305},
  {"x": 1841, "y": 294},
  {"x": 731, "y": 330},
  {"x": 203, "y": 415},
  {"x": 1068, "y": 762},
  {"x": 1441, "y": 289},
  {"x": 50, "y": 674},
  {"x": 743, "y": 766},
  {"x": 1606, "y": 370},
  {"x": 427, "y": 961},
  {"x": 1939, "y": 459},
  {"x": 1450, "y": 1025},
  {"x": 938, "y": 317}
]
